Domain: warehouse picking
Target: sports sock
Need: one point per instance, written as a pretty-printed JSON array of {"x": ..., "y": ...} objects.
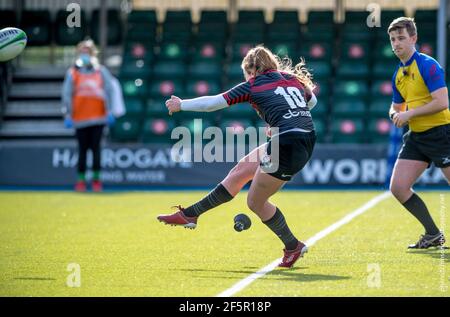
[
  {"x": 418, "y": 209},
  {"x": 279, "y": 226},
  {"x": 216, "y": 197}
]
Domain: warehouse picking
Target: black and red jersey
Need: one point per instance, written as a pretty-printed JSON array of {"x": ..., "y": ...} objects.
[{"x": 279, "y": 98}]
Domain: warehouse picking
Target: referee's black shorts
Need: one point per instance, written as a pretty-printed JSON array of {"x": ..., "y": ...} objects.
[
  {"x": 432, "y": 145},
  {"x": 295, "y": 150}
]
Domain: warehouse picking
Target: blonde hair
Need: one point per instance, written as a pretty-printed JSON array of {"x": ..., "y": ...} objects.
[
  {"x": 403, "y": 23},
  {"x": 262, "y": 59},
  {"x": 90, "y": 45}
]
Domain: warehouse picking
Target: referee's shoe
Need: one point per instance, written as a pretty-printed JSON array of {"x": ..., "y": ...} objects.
[{"x": 428, "y": 240}]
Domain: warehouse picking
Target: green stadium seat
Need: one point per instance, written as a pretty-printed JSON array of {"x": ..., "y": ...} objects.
[
  {"x": 321, "y": 110},
  {"x": 356, "y": 17},
  {"x": 357, "y": 32},
  {"x": 65, "y": 35},
  {"x": 320, "y": 128},
  {"x": 350, "y": 89},
  {"x": 205, "y": 70},
  {"x": 135, "y": 68},
  {"x": 136, "y": 50},
  {"x": 134, "y": 107},
  {"x": 425, "y": 16},
  {"x": 142, "y": 25},
  {"x": 347, "y": 131},
  {"x": 254, "y": 16},
  {"x": 316, "y": 51},
  {"x": 285, "y": 17},
  {"x": 353, "y": 70},
  {"x": 166, "y": 88},
  {"x": 156, "y": 107},
  {"x": 427, "y": 47},
  {"x": 202, "y": 88},
  {"x": 322, "y": 90},
  {"x": 134, "y": 87},
  {"x": 355, "y": 51},
  {"x": 213, "y": 17},
  {"x": 126, "y": 129},
  {"x": 249, "y": 32},
  {"x": 157, "y": 130},
  {"x": 114, "y": 34},
  {"x": 378, "y": 108},
  {"x": 320, "y": 17},
  {"x": 178, "y": 16},
  {"x": 283, "y": 33},
  {"x": 284, "y": 49},
  {"x": 234, "y": 72},
  {"x": 208, "y": 52},
  {"x": 349, "y": 108},
  {"x": 177, "y": 32},
  {"x": 240, "y": 50},
  {"x": 37, "y": 25},
  {"x": 378, "y": 130},
  {"x": 384, "y": 69},
  {"x": 173, "y": 51},
  {"x": 319, "y": 69},
  {"x": 169, "y": 70},
  {"x": 142, "y": 17},
  {"x": 381, "y": 88},
  {"x": 387, "y": 16},
  {"x": 383, "y": 51},
  {"x": 212, "y": 33},
  {"x": 319, "y": 32},
  {"x": 8, "y": 18}
]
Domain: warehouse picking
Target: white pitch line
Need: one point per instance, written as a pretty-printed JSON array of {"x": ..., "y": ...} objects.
[{"x": 310, "y": 242}]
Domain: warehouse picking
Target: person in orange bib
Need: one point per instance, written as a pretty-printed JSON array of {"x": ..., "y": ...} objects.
[{"x": 86, "y": 98}]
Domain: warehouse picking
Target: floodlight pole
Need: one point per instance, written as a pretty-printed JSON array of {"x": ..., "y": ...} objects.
[
  {"x": 103, "y": 29},
  {"x": 442, "y": 33}
]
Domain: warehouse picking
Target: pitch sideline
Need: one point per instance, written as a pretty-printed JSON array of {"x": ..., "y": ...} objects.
[{"x": 310, "y": 242}]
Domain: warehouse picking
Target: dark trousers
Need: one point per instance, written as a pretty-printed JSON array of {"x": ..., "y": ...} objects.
[{"x": 89, "y": 138}]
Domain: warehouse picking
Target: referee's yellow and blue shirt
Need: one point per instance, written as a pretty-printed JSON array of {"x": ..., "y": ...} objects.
[{"x": 413, "y": 83}]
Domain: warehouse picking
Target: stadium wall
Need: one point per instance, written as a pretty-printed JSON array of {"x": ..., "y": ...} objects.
[{"x": 54, "y": 164}]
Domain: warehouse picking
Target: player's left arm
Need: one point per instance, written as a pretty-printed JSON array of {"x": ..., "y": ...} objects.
[{"x": 433, "y": 76}]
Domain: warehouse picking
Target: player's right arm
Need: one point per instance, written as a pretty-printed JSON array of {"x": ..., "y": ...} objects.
[{"x": 237, "y": 94}]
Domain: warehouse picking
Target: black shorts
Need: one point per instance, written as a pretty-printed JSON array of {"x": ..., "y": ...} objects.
[
  {"x": 429, "y": 146},
  {"x": 295, "y": 150}
]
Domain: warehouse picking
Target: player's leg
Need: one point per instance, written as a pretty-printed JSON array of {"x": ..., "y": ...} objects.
[
  {"x": 405, "y": 174},
  {"x": 83, "y": 144},
  {"x": 262, "y": 188},
  {"x": 226, "y": 190},
  {"x": 446, "y": 172},
  {"x": 95, "y": 141}
]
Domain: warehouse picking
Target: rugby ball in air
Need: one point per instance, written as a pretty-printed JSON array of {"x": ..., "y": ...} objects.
[{"x": 12, "y": 43}]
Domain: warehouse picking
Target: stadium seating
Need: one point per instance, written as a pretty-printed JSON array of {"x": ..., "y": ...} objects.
[
  {"x": 65, "y": 35},
  {"x": 37, "y": 25},
  {"x": 115, "y": 29}
]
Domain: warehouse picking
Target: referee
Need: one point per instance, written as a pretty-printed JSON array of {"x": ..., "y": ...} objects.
[{"x": 420, "y": 99}]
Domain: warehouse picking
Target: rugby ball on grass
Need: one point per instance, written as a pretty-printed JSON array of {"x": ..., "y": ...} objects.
[{"x": 12, "y": 43}]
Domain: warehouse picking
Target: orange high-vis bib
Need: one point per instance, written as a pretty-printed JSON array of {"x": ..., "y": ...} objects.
[{"x": 88, "y": 100}]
